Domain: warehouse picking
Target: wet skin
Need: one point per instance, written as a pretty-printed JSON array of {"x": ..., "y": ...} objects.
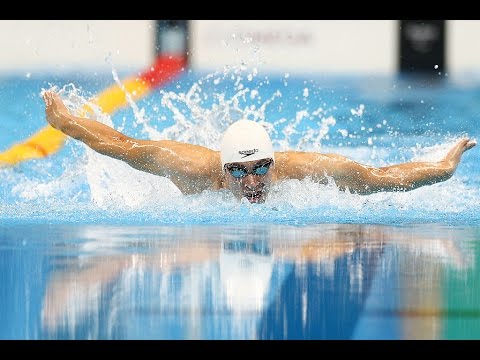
[
  {"x": 251, "y": 186},
  {"x": 195, "y": 168}
]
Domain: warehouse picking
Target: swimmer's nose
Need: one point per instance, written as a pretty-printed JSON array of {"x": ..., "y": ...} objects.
[{"x": 252, "y": 183}]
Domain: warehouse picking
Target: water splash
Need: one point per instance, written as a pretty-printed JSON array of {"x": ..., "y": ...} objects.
[{"x": 81, "y": 185}]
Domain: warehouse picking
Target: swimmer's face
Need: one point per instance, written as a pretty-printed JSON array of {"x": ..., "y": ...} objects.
[{"x": 250, "y": 179}]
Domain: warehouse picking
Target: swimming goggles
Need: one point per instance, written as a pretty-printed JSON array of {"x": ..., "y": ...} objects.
[{"x": 239, "y": 171}]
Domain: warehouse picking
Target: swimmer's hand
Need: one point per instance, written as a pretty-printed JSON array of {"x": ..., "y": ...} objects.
[
  {"x": 55, "y": 110},
  {"x": 454, "y": 155}
]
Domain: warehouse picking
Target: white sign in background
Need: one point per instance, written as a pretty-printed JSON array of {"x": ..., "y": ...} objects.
[
  {"x": 339, "y": 46},
  {"x": 75, "y": 45},
  {"x": 346, "y": 46}
]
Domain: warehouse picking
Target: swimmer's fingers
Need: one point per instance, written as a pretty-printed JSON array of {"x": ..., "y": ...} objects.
[
  {"x": 50, "y": 97},
  {"x": 458, "y": 149},
  {"x": 464, "y": 145},
  {"x": 470, "y": 144},
  {"x": 47, "y": 97}
]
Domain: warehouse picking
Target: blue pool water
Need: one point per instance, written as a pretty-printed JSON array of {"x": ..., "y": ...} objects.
[{"x": 93, "y": 249}]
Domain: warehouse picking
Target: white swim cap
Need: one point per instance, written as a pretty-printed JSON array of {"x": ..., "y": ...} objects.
[{"x": 245, "y": 140}]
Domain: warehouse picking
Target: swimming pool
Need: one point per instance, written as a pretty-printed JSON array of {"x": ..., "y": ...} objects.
[{"x": 93, "y": 249}]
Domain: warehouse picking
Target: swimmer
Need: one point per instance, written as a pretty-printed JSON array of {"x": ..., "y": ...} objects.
[{"x": 246, "y": 163}]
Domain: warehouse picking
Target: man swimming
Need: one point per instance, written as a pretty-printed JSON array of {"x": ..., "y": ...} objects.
[{"x": 246, "y": 163}]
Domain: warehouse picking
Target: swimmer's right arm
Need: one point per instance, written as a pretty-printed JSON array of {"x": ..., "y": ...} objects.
[{"x": 185, "y": 164}]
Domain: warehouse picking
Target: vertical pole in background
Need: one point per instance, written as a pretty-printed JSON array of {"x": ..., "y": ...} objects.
[
  {"x": 171, "y": 37},
  {"x": 422, "y": 48}
]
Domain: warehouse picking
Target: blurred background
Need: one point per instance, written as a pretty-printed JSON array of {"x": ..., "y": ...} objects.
[{"x": 324, "y": 46}]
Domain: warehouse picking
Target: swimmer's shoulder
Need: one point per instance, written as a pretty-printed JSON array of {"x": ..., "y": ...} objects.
[
  {"x": 286, "y": 164},
  {"x": 292, "y": 157},
  {"x": 289, "y": 164}
]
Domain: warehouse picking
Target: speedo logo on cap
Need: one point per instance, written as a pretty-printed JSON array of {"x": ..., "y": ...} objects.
[{"x": 246, "y": 153}]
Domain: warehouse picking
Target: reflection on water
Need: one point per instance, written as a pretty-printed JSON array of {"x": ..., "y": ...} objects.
[{"x": 239, "y": 282}]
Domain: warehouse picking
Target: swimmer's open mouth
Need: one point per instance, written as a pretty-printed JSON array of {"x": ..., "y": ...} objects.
[{"x": 254, "y": 197}]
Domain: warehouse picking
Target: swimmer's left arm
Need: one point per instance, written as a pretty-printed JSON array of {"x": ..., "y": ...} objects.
[
  {"x": 364, "y": 179},
  {"x": 410, "y": 176}
]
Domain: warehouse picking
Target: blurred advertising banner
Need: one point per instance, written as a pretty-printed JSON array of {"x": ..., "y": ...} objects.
[{"x": 343, "y": 46}]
